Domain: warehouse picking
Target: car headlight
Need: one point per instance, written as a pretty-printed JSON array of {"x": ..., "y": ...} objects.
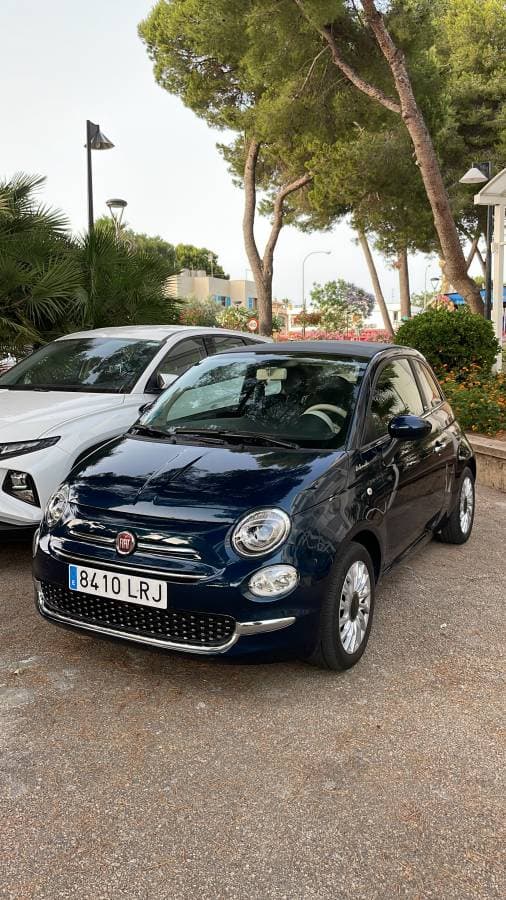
[
  {"x": 56, "y": 506},
  {"x": 273, "y": 581},
  {"x": 17, "y": 448},
  {"x": 260, "y": 532}
]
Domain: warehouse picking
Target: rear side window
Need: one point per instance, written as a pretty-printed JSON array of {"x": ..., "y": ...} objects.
[
  {"x": 179, "y": 358},
  {"x": 430, "y": 388},
  {"x": 220, "y": 342},
  {"x": 395, "y": 394}
]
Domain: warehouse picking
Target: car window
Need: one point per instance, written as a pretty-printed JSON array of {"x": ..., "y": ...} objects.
[
  {"x": 179, "y": 358},
  {"x": 306, "y": 399},
  {"x": 100, "y": 364},
  {"x": 224, "y": 342},
  {"x": 220, "y": 394},
  {"x": 395, "y": 394},
  {"x": 430, "y": 387}
]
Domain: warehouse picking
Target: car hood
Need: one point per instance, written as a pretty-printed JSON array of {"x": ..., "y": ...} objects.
[
  {"x": 135, "y": 476},
  {"x": 25, "y": 415}
]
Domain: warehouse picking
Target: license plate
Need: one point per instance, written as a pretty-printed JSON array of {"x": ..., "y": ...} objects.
[{"x": 118, "y": 586}]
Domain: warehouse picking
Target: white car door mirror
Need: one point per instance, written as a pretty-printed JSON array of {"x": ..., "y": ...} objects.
[{"x": 165, "y": 381}]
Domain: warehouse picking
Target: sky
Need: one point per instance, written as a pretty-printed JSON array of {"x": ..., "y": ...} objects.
[{"x": 65, "y": 61}]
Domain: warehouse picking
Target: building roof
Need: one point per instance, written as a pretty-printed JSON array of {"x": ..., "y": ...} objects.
[{"x": 364, "y": 349}]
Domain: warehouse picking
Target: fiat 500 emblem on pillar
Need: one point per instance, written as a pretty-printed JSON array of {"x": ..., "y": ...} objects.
[{"x": 125, "y": 543}]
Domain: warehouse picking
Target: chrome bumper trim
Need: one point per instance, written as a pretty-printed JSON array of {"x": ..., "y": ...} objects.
[{"x": 262, "y": 626}]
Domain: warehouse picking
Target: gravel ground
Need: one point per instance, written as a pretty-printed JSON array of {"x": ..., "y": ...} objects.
[{"x": 126, "y": 773}]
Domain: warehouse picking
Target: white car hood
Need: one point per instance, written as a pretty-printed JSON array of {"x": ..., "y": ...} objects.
[{"x": 25, "y": 415}]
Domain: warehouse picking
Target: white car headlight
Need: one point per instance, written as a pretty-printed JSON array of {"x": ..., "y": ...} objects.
[
  {"x": 57, "y": 506},
  {"x": 260, "y": 532},
  {"x": 273, "y": 581},
  {"x": 17, "y": 448}
]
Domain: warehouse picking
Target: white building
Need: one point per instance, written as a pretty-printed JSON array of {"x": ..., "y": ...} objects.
[{"x": 224, "y": 291}]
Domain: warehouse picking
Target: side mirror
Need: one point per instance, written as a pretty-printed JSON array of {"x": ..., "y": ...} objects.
[
  {"x": 165, "y": 381},
  {"x": 409, "y": 428}
]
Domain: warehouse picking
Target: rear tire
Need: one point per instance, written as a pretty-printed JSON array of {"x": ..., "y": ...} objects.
[
  {"x": 459, "y": 525},
  {"x": 346, "y": 612}
]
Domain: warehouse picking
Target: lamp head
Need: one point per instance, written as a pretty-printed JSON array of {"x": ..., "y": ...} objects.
[
  {"x": 473, "y": 176},
  {"x": 116, "y": 203},
  {"x": 100, "y": 142}
]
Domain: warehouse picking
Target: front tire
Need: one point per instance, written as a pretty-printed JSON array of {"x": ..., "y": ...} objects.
[
  {"x": 347, "y": 611},
  {"x": 459, "y": 525}
]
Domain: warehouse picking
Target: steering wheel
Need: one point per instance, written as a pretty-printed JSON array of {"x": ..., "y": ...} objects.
[{"x": 321, "y": 410}]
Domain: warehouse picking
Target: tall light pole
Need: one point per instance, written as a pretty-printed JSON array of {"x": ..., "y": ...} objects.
[
  {"x": 313, "y": 252},
  {"x": 95, "y": 140},
  {"x": 117, "y": 208},
  {"x": 478, "y": 174}
]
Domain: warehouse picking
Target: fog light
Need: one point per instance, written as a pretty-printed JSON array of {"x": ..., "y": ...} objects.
[
  {"x": 273, "y": 581},
  {"x": 21, "y": 486}
]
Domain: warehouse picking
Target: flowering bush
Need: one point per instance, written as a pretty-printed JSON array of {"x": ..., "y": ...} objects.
[
  {"x": 368, "y": 334},
  {"x": 195, "y": 311},
  {"x": 478, "y": 400}
]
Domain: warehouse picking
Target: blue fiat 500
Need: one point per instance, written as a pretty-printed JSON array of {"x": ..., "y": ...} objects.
[{"x": 257, "y": 503}]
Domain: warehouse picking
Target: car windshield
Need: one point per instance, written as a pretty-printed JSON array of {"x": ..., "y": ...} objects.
[
  {"x": 94, "y": 364},
  {"x": 295, "y": 400}
]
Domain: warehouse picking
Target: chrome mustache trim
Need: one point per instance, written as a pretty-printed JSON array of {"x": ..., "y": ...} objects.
[{"x": 242, "y": 629}]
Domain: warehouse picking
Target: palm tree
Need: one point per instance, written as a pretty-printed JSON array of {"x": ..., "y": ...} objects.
[
  {"x": 123, "y": 284},
  {"x": 40, "y": 276}
]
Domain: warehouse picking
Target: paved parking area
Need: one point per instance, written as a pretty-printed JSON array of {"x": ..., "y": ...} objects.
[{"x": 126, "y": 773}]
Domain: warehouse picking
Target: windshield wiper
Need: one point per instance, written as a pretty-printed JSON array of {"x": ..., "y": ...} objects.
[
  {"x": 241, "y": 436},
  {"x": 149, "y": 431}
]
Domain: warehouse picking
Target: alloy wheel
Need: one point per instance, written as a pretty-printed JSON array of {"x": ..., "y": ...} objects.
[
  {"x": 466, "y": 504},
  {"x": 354, "y": 607}
]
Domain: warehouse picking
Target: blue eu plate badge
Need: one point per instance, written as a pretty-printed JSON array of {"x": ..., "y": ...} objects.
[{"x": 73, "y": 578}]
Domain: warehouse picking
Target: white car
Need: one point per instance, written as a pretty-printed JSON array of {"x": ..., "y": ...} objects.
[{"x": 78, "y": 392}]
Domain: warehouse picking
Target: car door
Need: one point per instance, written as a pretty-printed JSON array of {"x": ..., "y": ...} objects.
[
  {"x": 408, "y": 483},
  {"x": 444, "y": 429},
  {"x": 177, "y": 360}
]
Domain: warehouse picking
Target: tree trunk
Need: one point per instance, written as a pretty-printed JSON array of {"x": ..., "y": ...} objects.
[
  {"x": 263, "y": 267},
  {"x": 455, "y": 263},
  {"x": 404, "y": 292},
  {"x": 378, "y": 293}
]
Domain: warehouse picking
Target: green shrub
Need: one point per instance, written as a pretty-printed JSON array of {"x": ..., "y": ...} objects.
[
  {"x": 478, "y": 401},
  {"x": 451, "y": 340},
  {"x": 196, "y": 311}
]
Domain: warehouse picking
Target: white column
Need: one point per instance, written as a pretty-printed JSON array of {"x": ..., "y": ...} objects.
[{"x": 498, "y": 276}]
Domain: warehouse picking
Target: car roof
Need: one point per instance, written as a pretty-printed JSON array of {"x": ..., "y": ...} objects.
[
  {"x": 155, "y": 332},
  {"x": 360, "y": 349}
]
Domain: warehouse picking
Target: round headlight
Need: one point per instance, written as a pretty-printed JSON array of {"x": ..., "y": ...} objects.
[
  {"x": 260, "y": 532},
  {"x": 56, "y": 506},
  {"x": 273, "y": 581}
]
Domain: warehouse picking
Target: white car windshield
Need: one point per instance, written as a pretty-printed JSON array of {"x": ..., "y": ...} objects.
[
  {"x": 94, "y": 364},
  {"x": 300, "y": 400}
]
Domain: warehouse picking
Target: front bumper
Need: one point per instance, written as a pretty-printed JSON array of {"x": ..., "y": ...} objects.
[
  {"x": 285, "y": 624},
  {"x": 242, "y": 629}
]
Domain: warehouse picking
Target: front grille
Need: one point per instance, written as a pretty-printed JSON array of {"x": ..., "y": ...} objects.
[{"x": 190, "y": 628}]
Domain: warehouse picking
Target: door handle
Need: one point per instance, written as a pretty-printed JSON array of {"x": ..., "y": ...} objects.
[{"x": 439, "y": 446}]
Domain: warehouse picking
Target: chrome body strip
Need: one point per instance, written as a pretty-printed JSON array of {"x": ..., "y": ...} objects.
[
  {"x": 154, "y": 542},
  {"x": 132, "y": 570},
  {"x": 90, "y": 538},
  {"x": 242, "y": 629}
]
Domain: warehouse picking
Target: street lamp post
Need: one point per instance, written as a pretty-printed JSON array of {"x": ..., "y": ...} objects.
[
  {"x": 95, "y": 140},
  {"x": 478, "y": 174},
  {"x": 434, "y": 282},
  {"x": 117, "y": 208},
  {"x": 313, "y": 252}
]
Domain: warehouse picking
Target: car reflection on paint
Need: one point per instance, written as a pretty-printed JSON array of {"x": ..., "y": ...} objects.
[{"x": 256, "y": 505}]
